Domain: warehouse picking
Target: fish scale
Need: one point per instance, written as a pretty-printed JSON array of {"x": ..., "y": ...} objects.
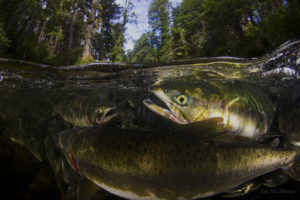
[{"x": 172, "y": 164}]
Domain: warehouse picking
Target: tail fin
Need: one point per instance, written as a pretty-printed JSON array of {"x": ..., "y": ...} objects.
[{"x": 294, "y": 171}]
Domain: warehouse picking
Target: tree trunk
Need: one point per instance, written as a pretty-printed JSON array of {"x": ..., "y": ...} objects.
[
  {"x": 71, "y": 34},
  {"x": 86, "y": 54},
  {"x": 125, "y": 13},
  {"x": 103, "y": 52},
  {"x": 41, "y": 32},
  {"x": 54, "y": 41}
]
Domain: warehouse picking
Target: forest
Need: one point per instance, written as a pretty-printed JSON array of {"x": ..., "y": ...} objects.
[{"x": 66, "y": 32}]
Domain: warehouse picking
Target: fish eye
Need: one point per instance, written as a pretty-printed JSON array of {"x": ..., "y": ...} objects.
[
  {"x": 182, "y": 99},
  {"x": 99, "y": 110}
]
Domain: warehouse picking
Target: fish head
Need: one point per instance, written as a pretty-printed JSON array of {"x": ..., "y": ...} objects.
[
  {"x": 76, "y": 147},
  {"x": 82, "y": 147},
  {"x": 65, "y": 143},
  {"x": 187, "y": 103},
  {"x": 84, "y": 112},
  {"x": 102, "y": 114},
  {"x": 85, "y": 107}
]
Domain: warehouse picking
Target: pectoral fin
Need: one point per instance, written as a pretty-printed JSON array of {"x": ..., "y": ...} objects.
[
  {"x": 243, "y": 189},
  {"x": 209, "y": 130},
  {"x": 86, "y": 189}
]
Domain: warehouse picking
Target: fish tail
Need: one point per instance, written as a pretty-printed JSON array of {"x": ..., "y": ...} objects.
[{"x": 294, "y": 170}]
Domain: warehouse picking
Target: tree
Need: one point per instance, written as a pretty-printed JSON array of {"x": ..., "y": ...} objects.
[
  {"x": 159, "y": 21},
  {"x": 232, "y": 27},
  {"x": 103, "y": 40},
  {"x": 87, "y": 47},
  {"x": 128, "y": 16},
  {"x": 117, "y": 53},
  {"x": 4, "y": 41},
  {"x": 188, "y": 29},
  {"x": 74, "y": 16},
  {"x": 57, "y": 31},
  {"x": 143, "y": 50},
  {"x": 64, "y": 31}
]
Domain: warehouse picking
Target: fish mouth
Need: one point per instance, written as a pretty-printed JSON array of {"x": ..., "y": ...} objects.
[
  {"x": 164, "y": 112},
  {"x": 107, "y": 115}
]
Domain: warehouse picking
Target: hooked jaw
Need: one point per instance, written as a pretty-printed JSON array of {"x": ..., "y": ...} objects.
[
  {"x": 107, "y": 115},
  {"x": 167, "y": 113}
]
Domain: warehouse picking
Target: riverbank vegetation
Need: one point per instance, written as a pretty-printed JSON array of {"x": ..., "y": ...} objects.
[{"x": 64, "y": 32}]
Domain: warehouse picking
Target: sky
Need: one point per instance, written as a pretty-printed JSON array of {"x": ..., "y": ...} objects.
[{"x": 134, "y": 31}]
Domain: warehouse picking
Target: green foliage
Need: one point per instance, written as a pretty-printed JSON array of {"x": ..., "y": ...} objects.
[
  {"x": 103, "y": 40},
  {"x": 236, "y": 28},
  {"x": 156, "y": 45},
  {"x": 117, "y": 53},
  {"x": 143, "y": 50},
  {"x": 62, "y": 32},
  {"x": 86, "y": 60},
  {"x": 218, "y": 28},
  {"x": 279, "y": 24},
  {"x": 54, "y": 31},
  {"x": 159, "y": 21},
  {"x": 187, "y": 29},
  {"x": 4, "y": 41}
]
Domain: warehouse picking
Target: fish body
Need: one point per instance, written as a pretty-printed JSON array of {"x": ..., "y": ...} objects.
[
  {"x": 289, "y": 113},
  {"x": 187, "y": 162},
  {"x": 246, "y": 110},
  {"x": 84, "y": 108}
]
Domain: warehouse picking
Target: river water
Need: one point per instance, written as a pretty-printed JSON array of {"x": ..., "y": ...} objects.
[{"x": 38, "y": 101}]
